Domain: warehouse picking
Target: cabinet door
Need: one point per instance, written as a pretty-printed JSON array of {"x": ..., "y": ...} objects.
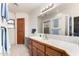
[
  {"x": 52, "y": 52},
  {"x": 39, "y": 45},
  {"x": 40, "y": 53},
  {"x": 34, "y": 51}
]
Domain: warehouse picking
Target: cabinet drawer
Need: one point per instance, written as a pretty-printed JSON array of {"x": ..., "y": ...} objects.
[
  {"x": 38, "y": 45},
  {"x": 52, "y": 52}
]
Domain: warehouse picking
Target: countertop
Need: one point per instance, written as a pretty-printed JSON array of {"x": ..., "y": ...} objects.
[{"x": 71, "y": 48}]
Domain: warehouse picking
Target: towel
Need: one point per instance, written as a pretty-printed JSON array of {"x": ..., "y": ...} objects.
[
  {"x": 0, "y": 41},
  {"x": 5, "y": 41},
  {"x": 4, "y": 11},
  {"x": 8, "y": 45}
]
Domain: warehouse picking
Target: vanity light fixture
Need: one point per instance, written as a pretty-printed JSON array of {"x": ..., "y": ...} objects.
[{"x": 48, "y": 7}]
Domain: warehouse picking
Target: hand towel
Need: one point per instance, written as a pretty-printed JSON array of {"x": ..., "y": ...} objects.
[
  {"x": 0, "y": 41},
  {"x": 3, "y": 40},
  {"x": 4, "y": 11},
  {"x": 7, "y": 43}
]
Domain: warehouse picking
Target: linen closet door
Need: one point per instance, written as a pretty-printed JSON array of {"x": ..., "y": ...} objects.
[{"x": 20, "y": 31}]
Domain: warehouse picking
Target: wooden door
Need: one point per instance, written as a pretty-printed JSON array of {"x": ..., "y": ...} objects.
[{"x": 20, "y": 31}]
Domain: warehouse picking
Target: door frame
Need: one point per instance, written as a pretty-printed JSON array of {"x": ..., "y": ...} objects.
[{"x": 16, "y": 29}]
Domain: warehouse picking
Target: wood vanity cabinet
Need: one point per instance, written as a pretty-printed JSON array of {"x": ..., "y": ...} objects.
[
  {"x": 40, "y": 53},
  {"x": 37, "y": 48},
  {"x": 54, "y": 51}
]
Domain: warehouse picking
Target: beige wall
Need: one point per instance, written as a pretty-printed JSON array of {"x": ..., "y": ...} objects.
[
  {"x": 12, "y": 31},
  {"x": 71, "y": 9}
]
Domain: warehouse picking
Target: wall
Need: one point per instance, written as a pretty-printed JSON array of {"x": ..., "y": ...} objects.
[
  {"x": 11, "y": 30},
  {"x": 33, "y": 17},
  {"x": 70, "y": 9}
]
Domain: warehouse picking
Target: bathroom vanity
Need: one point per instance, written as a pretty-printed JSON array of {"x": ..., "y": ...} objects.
[
  {"x": 41, "y": 47},
  {"x": 37, "y": 48}
]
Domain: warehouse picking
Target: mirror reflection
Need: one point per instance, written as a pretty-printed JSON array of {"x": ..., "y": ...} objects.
[{"x": 61, "y": 20}]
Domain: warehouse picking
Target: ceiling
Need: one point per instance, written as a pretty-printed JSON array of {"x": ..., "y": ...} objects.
[{"x": 25, "y": 7}]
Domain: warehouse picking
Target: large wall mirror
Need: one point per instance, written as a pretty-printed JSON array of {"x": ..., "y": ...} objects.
[
  {"x": 68, "y": 25},
  {"x": 64, "y": 20}
]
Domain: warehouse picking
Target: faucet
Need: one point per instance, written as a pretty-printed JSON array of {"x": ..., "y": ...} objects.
[{"x": 45, "y": 37}]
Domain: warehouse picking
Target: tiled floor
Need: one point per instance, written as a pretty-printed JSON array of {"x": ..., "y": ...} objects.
[{"x": 19, "y": 50}]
